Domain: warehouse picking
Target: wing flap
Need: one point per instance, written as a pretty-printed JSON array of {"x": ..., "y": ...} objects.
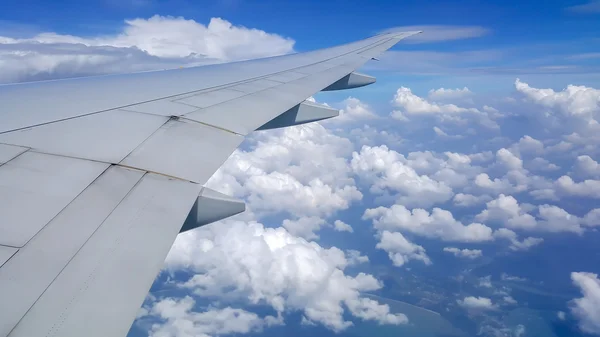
[
  {"x": 184, "y": 149},
  {"x": 29, "y": 272},
  {"x": 8, "y": 152},
  {"x": 35, "y": 187},
  {"x": 109, "y": 277}
]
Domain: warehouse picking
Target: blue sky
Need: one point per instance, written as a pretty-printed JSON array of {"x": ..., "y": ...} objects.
[{"x": 464, "y": 182}]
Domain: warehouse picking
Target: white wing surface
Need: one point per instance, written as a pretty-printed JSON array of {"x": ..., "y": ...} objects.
[{"x": 98, "y": 175}]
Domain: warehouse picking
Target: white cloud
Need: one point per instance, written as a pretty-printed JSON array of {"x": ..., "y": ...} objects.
[
  {"x": 303, "y": 168},
  {"x": 464, "y": 253},
  {"x": 508, "y": 160},
  {"x": 587, "y": 166},
  {"x": 468, "y": 200},
  {"x": 509, "y": 300},
  {"x": 507, "y": 277},
  {"x": 178, "y": 318},
  {"x": 412, "y": 104},
  {"x": 528, "y": 145},
  {"x": 341, "y": 226},
  {"x": 155, "y": 43},
  {"x": 240, "y": 261},
  {"x": 439, "y": 224},
  {"x": 354, "y": 257},
  {"x": 592, "y": 218},
  {"x": 587, "y": 188},
  {"x": 443, "y": 94},
  {"x": 541, "y": 164},
  {"x": 561, "y": 315},
  {"x": 387, "y": 169},
  {"x": 572, "y": 110},
  {"x": 507, "y": 211},
  {"x": 572, "y": 101},
  {"x": 472, "y": 303},
  {"x": 587, "y": 308},
  {"x": 304, "y": 227},
  {"x": 354, "y": 110},
  {"x": 400, "y": 250},
  {"x": 515, "y": 244},
  {"x": 485, "y": 282}
]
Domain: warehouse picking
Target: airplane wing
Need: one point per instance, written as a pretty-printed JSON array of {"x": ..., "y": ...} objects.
[{"x": 98, "y": 175}]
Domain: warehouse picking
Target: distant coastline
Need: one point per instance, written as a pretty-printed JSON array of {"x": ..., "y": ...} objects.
[{"x": 402, "y": 302}]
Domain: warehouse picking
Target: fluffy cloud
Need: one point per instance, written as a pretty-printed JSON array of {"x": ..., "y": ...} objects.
[
  {"x": 439, "y": 224},
  {"x": 304, "y": 168},
  {"x": 443, "y": 94},
  {"x": 464, "y": 253},
  {"x": 472, "y": 303},
  {"x": 587, "y": 308},
  {"x": 468, "y": 200},
  {"x": 575, "y": 109},
  {"x": 587, "y": 166},
  {"x": 270, "y": 266},
  {"x": 587, "y": 188},
  {"x": 142, "y": 44},
  {"x": 507, "y": 211},
  {"x": 178, "y": 318},
  {"x": 400, "y": 250},
  {"x": 341, "y": 226},
  {"x": 388, "y": 170},
  {"x": 515, "y": 243},
  {"x": 304, "y": 227},
  {"x": 353, "y": 110},
  {"x": 412, "y": 106}
]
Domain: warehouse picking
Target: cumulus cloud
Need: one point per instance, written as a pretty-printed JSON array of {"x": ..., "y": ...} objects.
[
  {"x": 177, "y": 317},
  {"x": 464, "y": 253},
  {"x": 472, "y": 303},
  {"x": 515, "y": 243},
  {"x": 410, "y": 105},
  {"x": 341, "y": 226},
  {"x": 509, "y": 300},
  {"x": 387, "y": 170},
  {"x": 573, "y": 109},
  {"x": 400, "y": 250},
  {"x": 507, "y": 211},
  {"x": 240, "y": 261},
  {"x": 304, "y": 168},
  {"x": 304, "y": 227},
  {"x": 587, "y": 308},
  {"x": 439, "y": 224},
  {"x": 443, "y": 94},
  {"x": 587, "y": 188},
  {"x": 587, "y": 167},
  {"x": 143, "y": 44},
  {"x": 468, "y": 200},
  {"x": 355, "y": 257},
  {"x": 353, "y": 110}
]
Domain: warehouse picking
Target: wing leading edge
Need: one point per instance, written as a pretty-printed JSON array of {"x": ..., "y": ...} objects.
[{"x": 99, "y": 174}]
